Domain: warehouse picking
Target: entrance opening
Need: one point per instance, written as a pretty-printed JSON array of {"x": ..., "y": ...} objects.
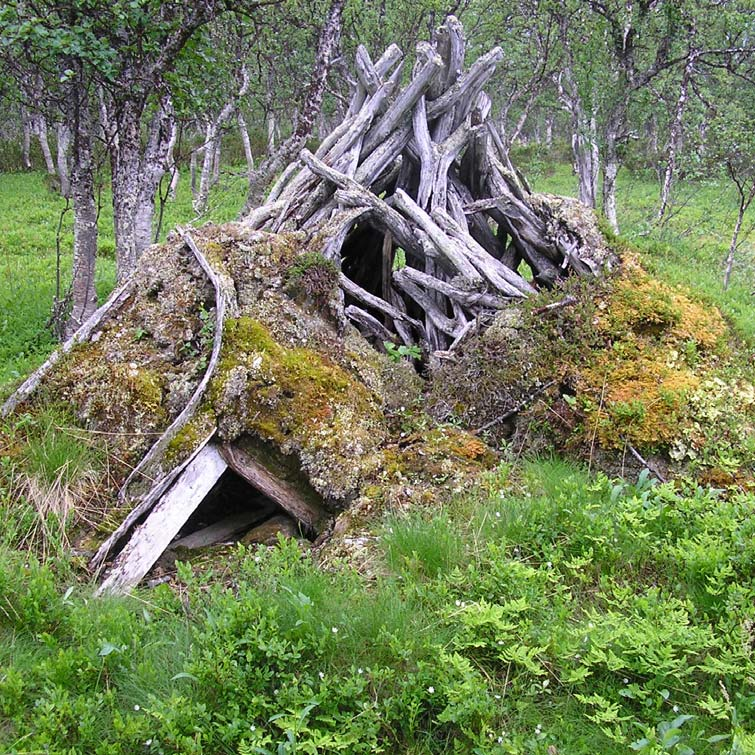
[{"x": 227, "y": 513}]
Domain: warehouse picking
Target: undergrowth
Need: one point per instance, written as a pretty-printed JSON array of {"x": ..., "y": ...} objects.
[{"x": 546, "y": 611}]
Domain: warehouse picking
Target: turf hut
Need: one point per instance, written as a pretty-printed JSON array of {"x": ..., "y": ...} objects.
[{"x": 262, "y": 377}]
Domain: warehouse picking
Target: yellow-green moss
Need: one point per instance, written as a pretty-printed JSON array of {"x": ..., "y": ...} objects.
[{"x": 299, "y": 400}]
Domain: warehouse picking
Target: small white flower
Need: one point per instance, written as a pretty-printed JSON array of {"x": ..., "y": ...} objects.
[
  {"x": 334, "y": 630},
  {"x": 321, "y": 675},
  {"x": 136, "y": 707},
  {"x": 252, "y": 728},
  {"x": 500, "y": 642},
  {"x": 498, "y": 514},
  {"x": 360, "y": 671},
  {"x": 431, "y": 690},
  {"x": 148, "y": 743},
  {"x": 500, "y": 740},
  {"x": 497, "y": 697},
  {"x": 625, "y": 680},
  {"x": 458, "y": 603},
  {"x": 675, "y": 709},
  {"x": 549, "y": 565}
]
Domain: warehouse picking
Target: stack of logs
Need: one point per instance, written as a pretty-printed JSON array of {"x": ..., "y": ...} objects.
[{"x": 424, "y": 166}]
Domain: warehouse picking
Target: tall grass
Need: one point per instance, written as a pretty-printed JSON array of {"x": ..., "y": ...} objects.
[{"x": 29, "y": 216}]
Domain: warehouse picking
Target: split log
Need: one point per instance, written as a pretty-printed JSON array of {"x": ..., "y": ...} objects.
[
  {"x": 227, "y": 528},
  {"x": 285, "y": 495}
]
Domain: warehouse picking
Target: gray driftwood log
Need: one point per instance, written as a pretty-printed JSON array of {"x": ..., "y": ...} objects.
[{"x": 457, "y": 230}]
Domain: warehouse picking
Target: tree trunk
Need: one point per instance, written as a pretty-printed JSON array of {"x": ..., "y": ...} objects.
[
  {"x": 205, "y": 178},
  {"x": 136, "y": 173},
  {"x": 83, "y": 295},
  {"x": 549, "y": 119},
  {"x": 675, "y": 136},
  {"x": 216, "y": 150},
  {"x": 247, "y": 146},
  {"x": 40, "y": 128},
  {"x": 745, "y": 199},
  {"x": 193, "y": 171},
  {"x": 162, "y": 131},
  {"x": 271, "y": 131},
  {"x": 171, "y": 166},
  {"x": 125, "y": 167},
  {"x": 584, "y": 140},
  {"x": 26, "y": 142},
  {"x": 64, "y": 143},
  {"x": 610, "y": 171}
]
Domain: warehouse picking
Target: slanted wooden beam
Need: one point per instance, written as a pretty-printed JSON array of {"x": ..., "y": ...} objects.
[
  {"x": 154, "y": 535},
  {"x": 303, "y": 509}
]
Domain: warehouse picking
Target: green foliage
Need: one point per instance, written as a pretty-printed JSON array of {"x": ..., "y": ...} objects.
[
  {"x": 397, "y": 353},
  {"x": 557, "y": 611}
]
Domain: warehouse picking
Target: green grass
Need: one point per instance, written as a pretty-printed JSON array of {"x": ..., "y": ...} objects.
[
  {"x": 565, "y": 613},
  {"x": 545, "y": 611}
]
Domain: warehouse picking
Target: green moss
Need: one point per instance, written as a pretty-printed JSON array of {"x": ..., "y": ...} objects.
[
  {"x": 186, "y": 440},
  {"x": 299, "y": 400}
]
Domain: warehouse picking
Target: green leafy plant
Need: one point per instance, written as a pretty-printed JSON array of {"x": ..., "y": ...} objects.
[{"x": 402, "y": 351}]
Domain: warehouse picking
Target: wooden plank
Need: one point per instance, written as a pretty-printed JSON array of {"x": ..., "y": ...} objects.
[
  {"x": 279, "y": 491},
  {"x": 164, "y": 522},
  {"x": 224, "y": 529}
]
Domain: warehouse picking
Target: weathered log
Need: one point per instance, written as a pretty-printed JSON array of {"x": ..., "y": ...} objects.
[
  {"x": 159, "y": 488},
  {"x": 448, "y": 249},
  {"x": 368, "y": 324},
  {"x": 164, "y": 521},
  {"x": 358, "y": 293},
  {"x": 404, "y": 103},
  {"x": 285, "y": 495},
  {"x": 469, "y": 299},
  {"x": 224, "y": 300},
  {"x": 225, "y": 529}
]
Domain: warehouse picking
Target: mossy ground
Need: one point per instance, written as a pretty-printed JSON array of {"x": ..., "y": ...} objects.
[
  {"x": 631, "y": 363},
  {"x": 292, "y": 375}
]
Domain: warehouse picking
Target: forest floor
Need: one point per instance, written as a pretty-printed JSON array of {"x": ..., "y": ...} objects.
[{"x": 547, "y": 611}]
